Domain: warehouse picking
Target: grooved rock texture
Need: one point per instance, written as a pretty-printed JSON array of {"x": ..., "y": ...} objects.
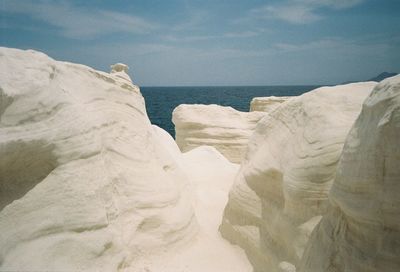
[
  {"x": 85, "y": 184},
  {"x": 361, "y": 231},
  {"x": 281, "y": 190},
  {"x": 224, "y": 128},
  {"x": 211, "y": 175},
  {"x": 267, "y": 104}
]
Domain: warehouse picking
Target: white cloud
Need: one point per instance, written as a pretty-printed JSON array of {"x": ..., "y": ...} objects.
[
  {"x": 300, "y": 11},
  {"x": 194, "y": 19},
  {"x": 312, "y": 45},
  {"x": 188, "y": 38},
  {"x": 336, "y": 4},
  {"x": 244, "y": 34},
  {"x": 297, "y": 14},
  {"x": 197, "y": 38},
  {"x": 129, "y": 50},
  {"x": 341, "y": 47},
  {"x": 78, "y": 22}
]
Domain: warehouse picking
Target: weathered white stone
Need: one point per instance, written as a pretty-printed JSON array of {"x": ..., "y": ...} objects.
[
  {"x": 224, "y": 128},
  {"x": 84, "y": 182},
  {"x": 120, "y": 70},
  {"x": 210, "y": 175},
  {"x": 267, "y": 104},
  {"x": 88, "y": 184},
  {"x": 361, "y": 231},
  {"x": 281, "y": 189},
  {"x": 286, "y": 267}
]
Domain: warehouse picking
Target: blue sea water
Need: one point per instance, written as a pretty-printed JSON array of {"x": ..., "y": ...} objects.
[{"x": 161, "y": 101}]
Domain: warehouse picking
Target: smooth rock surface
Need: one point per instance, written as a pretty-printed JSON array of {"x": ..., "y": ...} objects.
[
  {"x": 211, "y": 175},
  {"x": 282, "y": 187},
  {"x": 224, "y": 128},
  {"x": 88, "y": 184},
  {"x": 85, "y": 184},
  {"x": 267, "y": 104},
  {"x": 361, "y": 231}
]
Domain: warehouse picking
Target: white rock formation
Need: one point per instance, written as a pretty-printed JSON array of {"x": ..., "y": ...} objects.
[
  {"x": 121, "y": 70},
  {"x": 88, "y": 184},
  {"x": 361, "y": 232},
  {"x": 224, "y": 128},
  {"x": 211, "y": 176},
  {"x": 281, "y": 190},
  {"x": 84, "y": 182},
  {"x": 286, "y": 267},
  {"x": 267, "y": 104}
]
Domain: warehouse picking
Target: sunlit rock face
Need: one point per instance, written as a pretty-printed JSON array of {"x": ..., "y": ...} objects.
[
  {"x": 121, "y": 70},
  {"x": 224, "y": 128},
  {"x": 361, "y": 231},
  {"x": 211, "y": 175},
  {"x": 281, "y": 190},
  {"x": 267, "y": 104},
  {"x": 84, "y": 182}
]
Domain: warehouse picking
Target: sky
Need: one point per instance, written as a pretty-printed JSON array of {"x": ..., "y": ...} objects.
[{"x": 213, "y": 42}]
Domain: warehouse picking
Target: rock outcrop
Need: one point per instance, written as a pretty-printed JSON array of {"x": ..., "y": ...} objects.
[
  {"x": 224, "y": 128},
  {"x": 121, "y": 70},
  {"x": 267, "y": 104},
  {"x": 211, "y": 176},
  {"x": 361, "y": 231},
  {"x": 85, "y": 184},
  {"x": 281, "y": 190}
]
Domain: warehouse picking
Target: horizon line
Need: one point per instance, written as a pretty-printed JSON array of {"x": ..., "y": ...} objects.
[{"x": 201, "y": 86}]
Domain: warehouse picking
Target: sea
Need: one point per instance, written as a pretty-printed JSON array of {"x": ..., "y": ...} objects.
[{"x": 161, "y": 101}]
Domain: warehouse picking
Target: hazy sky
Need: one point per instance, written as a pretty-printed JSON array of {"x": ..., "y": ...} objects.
[{"x": 211, "y": 42}]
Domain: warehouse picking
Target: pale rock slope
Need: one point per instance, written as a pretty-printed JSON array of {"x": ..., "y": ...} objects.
[
  {"x": 211, "y": 175},
  {"x": 268, "y": 103},
  {"x": 281, "y": 190},
  {"x": 224, "y": 128},
  {"x": 361, "y": 231},
  {"x": 88, "y": 184},
  {"x": 85, "y": 184}
]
